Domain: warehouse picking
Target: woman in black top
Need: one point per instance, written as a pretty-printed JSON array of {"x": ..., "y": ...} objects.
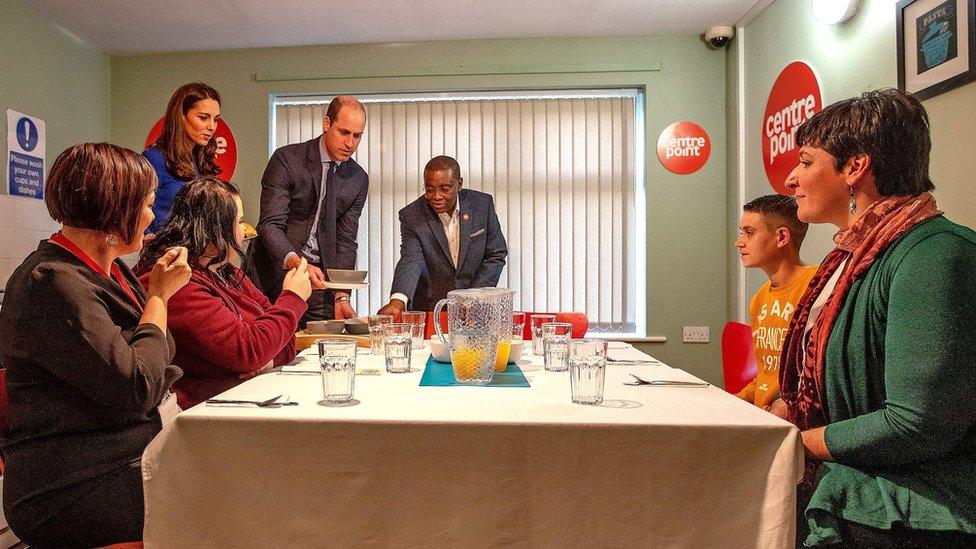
[{"x": 87, "y": 356}]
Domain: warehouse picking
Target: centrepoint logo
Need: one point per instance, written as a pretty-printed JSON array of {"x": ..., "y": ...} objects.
[
  {"x": 794, "y": 98},
  {"x": 683, "y": 147}
]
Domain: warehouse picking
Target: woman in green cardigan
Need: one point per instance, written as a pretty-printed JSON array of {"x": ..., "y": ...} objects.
[{"x": 879, "y": 365}]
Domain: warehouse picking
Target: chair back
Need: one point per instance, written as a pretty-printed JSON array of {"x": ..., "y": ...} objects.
[
  {"x": 738, "y": 356},
  {"x": 579, "y": 321},
  {"x": 429, "y": 330}
]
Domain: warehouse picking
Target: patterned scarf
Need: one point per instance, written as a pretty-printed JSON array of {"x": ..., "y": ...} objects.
[{"x": 802, "y": 369}]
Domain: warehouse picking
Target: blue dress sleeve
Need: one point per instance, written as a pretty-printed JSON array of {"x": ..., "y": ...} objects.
[{"x": 166, "y": 192}]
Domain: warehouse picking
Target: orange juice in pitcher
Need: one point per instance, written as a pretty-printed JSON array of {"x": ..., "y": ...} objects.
[{"x": 501, "y": 357}]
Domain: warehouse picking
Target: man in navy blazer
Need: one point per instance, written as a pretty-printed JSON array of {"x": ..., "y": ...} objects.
[
  {"x": 312, "y": 195},
  {"x": 449, "y": 238}
]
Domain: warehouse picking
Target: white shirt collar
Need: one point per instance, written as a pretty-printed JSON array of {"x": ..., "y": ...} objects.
[{"x": 445, "y": 217}]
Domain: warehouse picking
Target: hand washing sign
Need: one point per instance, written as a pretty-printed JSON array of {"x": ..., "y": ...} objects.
[
  {"x": 795, "y": 97},
  {"x": 26, "y": 143},
  {"x": 683, "y": 147}
]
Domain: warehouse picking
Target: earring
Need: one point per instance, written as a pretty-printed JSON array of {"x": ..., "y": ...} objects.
[
  {"x": 852, "y": 206},
  {"x": 111, "y": 240}
]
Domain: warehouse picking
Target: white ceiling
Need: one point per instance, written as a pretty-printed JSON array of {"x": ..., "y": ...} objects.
[{"x": 130, "y": 26}]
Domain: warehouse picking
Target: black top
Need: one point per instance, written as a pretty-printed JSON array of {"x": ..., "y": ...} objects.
[{"x": 84, "y": 378}]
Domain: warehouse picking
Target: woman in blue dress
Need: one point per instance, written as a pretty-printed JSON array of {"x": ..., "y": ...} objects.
[{"x": 187, "y": 147}]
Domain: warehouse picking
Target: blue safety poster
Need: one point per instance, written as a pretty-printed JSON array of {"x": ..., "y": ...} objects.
[{"x": 26, "y": 145}]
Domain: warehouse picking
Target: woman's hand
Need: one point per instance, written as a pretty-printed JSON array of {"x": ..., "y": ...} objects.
[
  {"x": 297, "y": 280},
  {"x": 248, "y": 375},
  {"x": 170, "y": 273},
  {"x": 778, "y": 409}
]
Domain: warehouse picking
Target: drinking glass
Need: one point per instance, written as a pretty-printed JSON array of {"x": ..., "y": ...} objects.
[
  {"x": 518, "y": 325},
  {"x": 419, "y": 321},
  {"x": 337, "y": 357},
  {"x": 537, "y": 322},
  {"x": 397, "y": 344},
  {"x": 473, "y": 356},
  {"x": 555, "y": 345},
  {"x": 587, "y": 370},
  {"x": 376, "y": 324}
]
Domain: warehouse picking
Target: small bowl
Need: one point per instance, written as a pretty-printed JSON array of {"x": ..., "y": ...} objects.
[
  {"x": 357, "y": 326},
  {"x": 344, "y": 276},
  {"x": 438, "y": 350},
  {"x": 325, "y": 326},
  {"x": 516, "y": 352},
  {"x": 440, "y": 353}
]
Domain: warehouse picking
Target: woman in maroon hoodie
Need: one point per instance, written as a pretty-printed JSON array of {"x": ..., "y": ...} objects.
[{"x": 226, "y": 330}]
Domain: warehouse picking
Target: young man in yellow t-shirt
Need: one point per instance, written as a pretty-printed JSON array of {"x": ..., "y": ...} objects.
[{"x": 769, "y": 239}]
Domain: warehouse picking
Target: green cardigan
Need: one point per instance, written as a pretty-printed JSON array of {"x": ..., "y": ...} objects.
[{"x": 901, "y": 390}]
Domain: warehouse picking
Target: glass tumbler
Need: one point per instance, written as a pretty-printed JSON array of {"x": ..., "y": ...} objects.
[
  {"x": 587, "y": 370},
  {"x": 397, "y": 344},
  {"x": 376, "y": 324},
  {"x": 337, "y": 358},
  {"x": 555, "y": 345},
  {"x": 537, "y": 322},
  {"x": 419, "y": 321}
]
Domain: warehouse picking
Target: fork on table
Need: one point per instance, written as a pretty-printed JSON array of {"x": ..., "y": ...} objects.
[{"x": 665, "y": 382}]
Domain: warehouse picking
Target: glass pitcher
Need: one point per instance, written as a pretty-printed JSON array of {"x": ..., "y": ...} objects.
[{"x": 479, "y": 330}]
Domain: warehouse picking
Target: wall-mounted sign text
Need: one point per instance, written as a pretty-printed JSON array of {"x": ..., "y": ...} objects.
[
  {"x": 683, "y": 147},
  {"x": 794, "y": 98}
]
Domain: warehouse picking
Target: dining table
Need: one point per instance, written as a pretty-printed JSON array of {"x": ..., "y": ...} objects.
[{"x": 406, "y": 464}]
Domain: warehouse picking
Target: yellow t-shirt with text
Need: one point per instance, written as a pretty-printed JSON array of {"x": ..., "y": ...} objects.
[{"x": 770, "y": 311}]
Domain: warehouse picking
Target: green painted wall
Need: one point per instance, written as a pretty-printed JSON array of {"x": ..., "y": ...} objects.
[
  {"x": 850, "y": 58},
  {"x": 687, "y": 278},
  {"x": 47, "y": 73}
]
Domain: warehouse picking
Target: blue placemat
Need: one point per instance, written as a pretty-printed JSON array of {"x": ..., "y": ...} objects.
[{"x": 440, "y": 374}]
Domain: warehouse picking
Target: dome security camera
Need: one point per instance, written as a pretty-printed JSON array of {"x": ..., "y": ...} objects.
[{"x": 717, "y": 37}]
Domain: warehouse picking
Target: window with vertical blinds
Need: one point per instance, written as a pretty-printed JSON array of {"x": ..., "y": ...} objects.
[{"x": 565, "y": 169}]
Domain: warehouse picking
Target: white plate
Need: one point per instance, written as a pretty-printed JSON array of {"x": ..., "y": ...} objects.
[{"x": 340, "y": 286}]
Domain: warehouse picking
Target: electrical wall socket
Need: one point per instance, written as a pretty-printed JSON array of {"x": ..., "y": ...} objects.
[{"x": 695, "y": 334}]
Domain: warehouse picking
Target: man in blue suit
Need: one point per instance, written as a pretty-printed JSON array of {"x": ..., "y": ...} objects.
[
  {"x": 312, "y": 195},
  {"x": 450, "y": 238}
]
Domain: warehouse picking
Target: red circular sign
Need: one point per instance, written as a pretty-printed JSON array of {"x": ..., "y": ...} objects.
[
  {"x": 226, "y": 146},
  {"x": 683, "y": 147},
  {"x": 794, "y": 98}
]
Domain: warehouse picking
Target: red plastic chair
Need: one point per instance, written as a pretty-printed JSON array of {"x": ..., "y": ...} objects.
[
  {"x": 738, "y": 356},
  {"x": 429, "y": 330},
  {"x": 579, "y": 321}
]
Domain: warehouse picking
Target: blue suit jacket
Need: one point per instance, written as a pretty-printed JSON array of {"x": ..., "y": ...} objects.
[
  {"x": 289, "y": 200},
  {"x": 425, "y": 272}
]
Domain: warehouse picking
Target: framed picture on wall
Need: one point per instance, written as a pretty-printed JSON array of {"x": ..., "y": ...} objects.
[{"x": 936, "y": 45}]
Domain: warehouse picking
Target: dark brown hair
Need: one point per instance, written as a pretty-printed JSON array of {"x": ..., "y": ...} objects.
[
  {"x": 185, "y": 159},
  {"x": 99, "y": 186},
  {"x": 779, "y": 211},
  {"x": 203, "y": 216},
  {"x": 888, "y": 125}
]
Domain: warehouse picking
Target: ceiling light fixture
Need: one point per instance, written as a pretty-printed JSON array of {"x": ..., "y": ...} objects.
[{"x": 834, "y": 12}]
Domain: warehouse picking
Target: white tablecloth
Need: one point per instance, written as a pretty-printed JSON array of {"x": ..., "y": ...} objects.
[{"x": 474, "y": 466}]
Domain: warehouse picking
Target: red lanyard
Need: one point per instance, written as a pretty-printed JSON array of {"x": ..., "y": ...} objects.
[{"x": 63, "y": 241}]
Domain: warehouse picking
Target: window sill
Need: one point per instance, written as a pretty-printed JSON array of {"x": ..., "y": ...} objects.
[{"x": 629, "y": 338}]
